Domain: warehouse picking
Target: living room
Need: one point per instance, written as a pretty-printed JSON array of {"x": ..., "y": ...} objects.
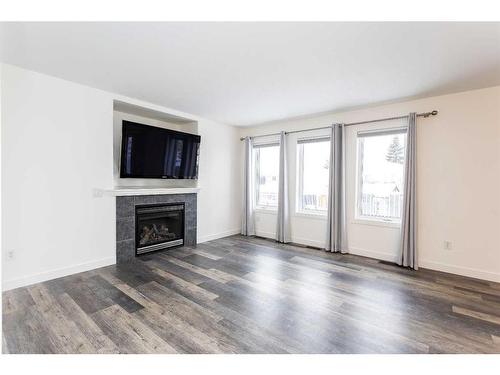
[{"x": 250, "y": 187}]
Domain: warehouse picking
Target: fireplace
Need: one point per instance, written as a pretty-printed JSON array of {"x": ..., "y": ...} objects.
[
  {"x": 129, "y": 228},
  {"x": 158, "y": 227}
]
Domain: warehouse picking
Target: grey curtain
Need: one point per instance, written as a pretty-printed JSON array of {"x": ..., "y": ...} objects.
[
  {"x": 408, "y": 245},
  {"x": 283, "y": 219},
  {"x": 247, "y": 222},
  {"x": 336, "y": 238}
]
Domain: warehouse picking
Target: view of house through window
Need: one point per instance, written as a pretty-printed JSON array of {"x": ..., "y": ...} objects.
[
  {"x": 313, "y": 163},
  {"x": 266, "y": 163},
  {"x": 380, "y": 174}
]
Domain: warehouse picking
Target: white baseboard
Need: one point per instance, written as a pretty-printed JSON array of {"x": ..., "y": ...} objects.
[
  {"x": 436, "y": 266},
  {"x": 54, "y": 274},
  {"x": 373, "y": 254},
  {"x": 308, "y": 242},
  {"x": 458, "y": 270},
  {"x": 270, "y": 235},
  {"x": 215, "y": 236},
  {"x": 296, "y": 240}
]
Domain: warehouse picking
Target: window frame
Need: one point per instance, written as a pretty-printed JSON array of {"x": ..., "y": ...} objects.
[
  {"x": 358, "y": 217},
  {"x": 299, "y": 210},
  {"x": 256, "y": 175}
]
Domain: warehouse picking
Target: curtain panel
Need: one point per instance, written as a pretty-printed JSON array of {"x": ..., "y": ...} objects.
[
  {"x": 283, "y": 218},
  {"x": 247, "y": 221},
  {"x": 408, "y": 245},
  {"x": 336, "y": 237}
]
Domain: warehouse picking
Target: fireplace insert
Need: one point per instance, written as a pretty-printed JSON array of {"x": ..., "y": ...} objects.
[{"x": 158, "y": 227}]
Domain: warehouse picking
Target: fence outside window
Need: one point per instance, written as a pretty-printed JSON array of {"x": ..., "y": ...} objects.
[{"x": 385, "y": 207}]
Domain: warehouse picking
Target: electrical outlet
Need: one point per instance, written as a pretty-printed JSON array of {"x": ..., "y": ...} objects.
[
  {"x": 10, "y": 254},
  {"x": 447, "y": 245}
]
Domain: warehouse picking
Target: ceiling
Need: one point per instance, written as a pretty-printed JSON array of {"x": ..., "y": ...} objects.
[{"x": 251, "y": 73}]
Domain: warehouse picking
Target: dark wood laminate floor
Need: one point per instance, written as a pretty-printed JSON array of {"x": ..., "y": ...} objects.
[{"x": 249, "y": 295}]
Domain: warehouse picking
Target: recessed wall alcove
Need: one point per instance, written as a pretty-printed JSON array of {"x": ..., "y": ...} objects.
[
  {"x": 135, "y": 113},
  {"x": 134, "y": 193}
]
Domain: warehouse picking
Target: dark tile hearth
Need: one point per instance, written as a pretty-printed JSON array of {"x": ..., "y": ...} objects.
[{"x": 125, "y": 220}]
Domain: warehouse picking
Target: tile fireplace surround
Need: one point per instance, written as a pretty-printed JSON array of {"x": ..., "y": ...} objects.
[{"x": 125, "y": 220}]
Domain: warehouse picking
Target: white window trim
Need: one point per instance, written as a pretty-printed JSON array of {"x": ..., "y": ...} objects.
[
  {"x": 270, "y": 210},
  {"x": 363, "y": 220},
  {"x": 299, "y": 211},
  {"x": 369, "y": 220},
  {"x": 316, "y": 215},
  {"x": 256, "y": 206}
]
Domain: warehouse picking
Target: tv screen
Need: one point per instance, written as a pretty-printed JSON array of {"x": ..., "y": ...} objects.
[{"x": 151, "y": 152}]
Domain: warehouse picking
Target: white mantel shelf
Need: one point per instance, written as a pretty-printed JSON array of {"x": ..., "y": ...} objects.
[{"x": 131, "y": 191}]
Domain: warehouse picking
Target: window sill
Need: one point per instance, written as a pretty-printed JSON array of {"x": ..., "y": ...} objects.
[
  {"x": 377, "y": 223},
  {"x": 311, "y": 215},
  {"x": 265, "y": 210}
]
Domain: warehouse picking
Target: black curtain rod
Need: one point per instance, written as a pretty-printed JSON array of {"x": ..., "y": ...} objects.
[{"x": 424, "y": 114}]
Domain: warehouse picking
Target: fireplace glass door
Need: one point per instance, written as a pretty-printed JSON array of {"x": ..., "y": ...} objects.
[{"x": 159, "y": 227}]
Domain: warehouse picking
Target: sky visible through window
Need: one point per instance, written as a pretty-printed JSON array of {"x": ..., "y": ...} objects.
[
  {"x": 267, "y": 166},
  {"x": 315, "y": 165}
]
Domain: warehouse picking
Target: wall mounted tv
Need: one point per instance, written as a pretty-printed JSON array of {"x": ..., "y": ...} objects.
[{"x": 152, "y": 152}]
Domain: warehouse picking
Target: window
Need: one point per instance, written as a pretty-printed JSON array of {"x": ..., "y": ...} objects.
[
  {"x": 266, "y": 164},
  {"x": 313, "y": 164},
  {"x": 381, "y": 157}
]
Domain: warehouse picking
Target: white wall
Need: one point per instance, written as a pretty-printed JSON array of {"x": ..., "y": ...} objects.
[
  {"x": 219, "y": 199},
  {"x": 1, "y": 197},
  {"x": 57, "y": 147},
  {"x": 458, "y": 184}
]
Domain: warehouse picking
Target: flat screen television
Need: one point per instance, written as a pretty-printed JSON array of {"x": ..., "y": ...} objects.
[{"x": 152, "y": 152}]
